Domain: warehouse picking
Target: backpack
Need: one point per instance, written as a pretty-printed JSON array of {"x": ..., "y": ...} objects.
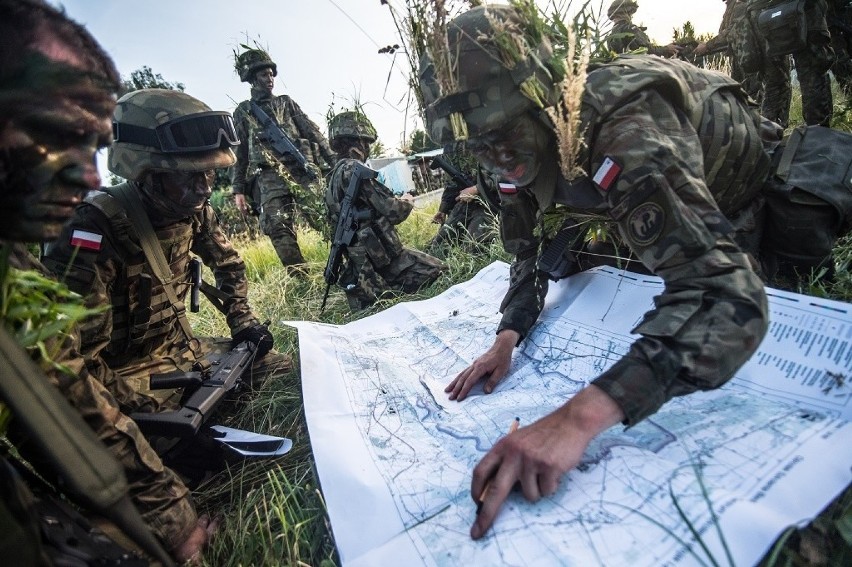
[
  {"x": 808, "y": 200},
  {"x": 784, "y": 27}
]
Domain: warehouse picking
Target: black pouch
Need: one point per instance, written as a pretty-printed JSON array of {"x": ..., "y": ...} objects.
[
  {"x": 784, "y": 27},
  {"x": 808, "y": 199},
  {"x": 253, "y": 193}
]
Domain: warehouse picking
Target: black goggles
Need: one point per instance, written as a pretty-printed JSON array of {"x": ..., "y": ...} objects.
[{"x": 193, "y": 133}]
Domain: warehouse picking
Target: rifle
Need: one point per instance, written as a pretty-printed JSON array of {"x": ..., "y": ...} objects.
[
  {"x": 280, "y": 142},
  {"x": 347, "y": 225},
  {"x": 204, "y": 391},
  {"x": 461, "y": 180}
]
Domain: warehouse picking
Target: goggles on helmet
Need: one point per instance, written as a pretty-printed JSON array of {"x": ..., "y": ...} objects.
[{"x": 192, "y": 133}]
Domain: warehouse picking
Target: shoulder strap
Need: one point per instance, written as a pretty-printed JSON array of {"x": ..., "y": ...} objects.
[
  {"x": 129, "y": 197},
  {"x": 790, "y": 148}
]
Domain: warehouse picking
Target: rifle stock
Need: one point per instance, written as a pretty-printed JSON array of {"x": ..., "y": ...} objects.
[
  {"x": 461, "y": 180},
  {"x": 208, "y": 388},
  {"x": 347, "y": 225},
  {"x": 279, "y": 141}
]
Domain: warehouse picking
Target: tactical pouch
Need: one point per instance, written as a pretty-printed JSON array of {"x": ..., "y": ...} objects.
[
  {"x": 784, "y": 27},
  {"x": 808, "y": 199},
  {"x": 373, "y": 247},
  {"x": 253, "y": 193}
]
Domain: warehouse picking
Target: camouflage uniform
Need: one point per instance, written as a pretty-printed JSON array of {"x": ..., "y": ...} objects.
[
  {"x": 812, "y": 65},
  {"x": 633, "y": 37},
  {"x": 735, "y": 10},
  {"x": 675, "y": 211},
  {"x": 141, "y": 335},
  {"x": 376, "y": 261},
  {"x": 469, "y": 222},
  {"x": 839, "y": 19},
  {"x": 674, "y": 159},
  {"x": 158, "y": 493},
  {"x": 101, "y": 253},
  {"x": 284, "y": 186}
]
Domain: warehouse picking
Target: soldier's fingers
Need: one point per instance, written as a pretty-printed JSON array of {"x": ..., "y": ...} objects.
[
  {"x": 492, "y": 498},
  {"x": 493, "y": 379},
  {"x": 548, "y": 482},
  {"x": 529, "y": 484},
  {"x": 452, "y": 385},
  {"x": 457, "y": 385},
  {"x": 467, "y": 386}
]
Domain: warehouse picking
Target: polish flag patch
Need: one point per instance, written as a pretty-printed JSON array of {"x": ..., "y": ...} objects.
[
  {"x": 86, "y": 240},
  {"x": 607, "y": 173},
  {"x": 507, "y": 188}
]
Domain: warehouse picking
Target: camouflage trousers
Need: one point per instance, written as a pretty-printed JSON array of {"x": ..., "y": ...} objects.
[
  {"x": 278, "y": 217},
  {"x": 842, "y": 68},
  {"x": 812, "y": 66},
  {"x": 469, "y": 224},
  {"x": 407, "y": 272}
]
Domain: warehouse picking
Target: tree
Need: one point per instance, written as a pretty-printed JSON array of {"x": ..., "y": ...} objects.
[
  {"x": 377, "y": 149},
  {"x": 419, "y": 142},
  {"x": 145, "y": 78}
]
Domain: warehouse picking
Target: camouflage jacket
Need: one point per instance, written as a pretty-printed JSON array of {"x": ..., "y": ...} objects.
[
  {"x": 669, "y": 191},
  {"x": 254, "y": 152},
  {"x": 158, "y": 493},
  {"x": 734, "y": 9},
  {"x": 632, "y": 37},
  {"x": 377, "y": 234},
  {"x": 111, "y": 268}
]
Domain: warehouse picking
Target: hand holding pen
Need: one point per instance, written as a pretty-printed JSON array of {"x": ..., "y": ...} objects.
[{"x": 537, "y": 455}]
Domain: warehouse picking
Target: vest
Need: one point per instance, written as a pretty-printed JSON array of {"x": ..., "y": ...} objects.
[{"x": 143, "y": 317}]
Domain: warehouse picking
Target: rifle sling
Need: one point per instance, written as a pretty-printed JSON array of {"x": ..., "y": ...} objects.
[
  {"x": 89, "y": 472},
  {"x": 129, "y": 197}
]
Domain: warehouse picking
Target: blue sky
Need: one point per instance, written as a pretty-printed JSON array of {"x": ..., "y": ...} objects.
[{"x": 325, "y": 49}]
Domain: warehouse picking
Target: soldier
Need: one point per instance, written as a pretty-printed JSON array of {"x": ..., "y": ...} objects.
[
  {"x": 279, "y": 182},
  {"x": 167, "y": 146},
  {"x": 626, "y": 36},
  {"x": 465, "y": 217},
  {"x": 735, "y": 10},
  {"x": 58, "y": 90},
  {"x": 682, "y": 191},
  {"x": 812, "y": 56},
  {"x": 375, "y": 261}
]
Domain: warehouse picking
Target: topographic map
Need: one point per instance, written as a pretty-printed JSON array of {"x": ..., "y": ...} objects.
[{"x": 395, "y": 456}]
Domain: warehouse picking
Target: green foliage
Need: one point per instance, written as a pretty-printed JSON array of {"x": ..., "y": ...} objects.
[
  {"x": 39, "y": 311},
  {"x": 234, "y": 223},
  {"x": 145, "y": 78},
  {"x": 418, "y": 142}
]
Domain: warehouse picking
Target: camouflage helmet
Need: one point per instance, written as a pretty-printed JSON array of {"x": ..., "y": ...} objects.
[
  {"x": 166, "y": 130},
  {"x": 488, "y": 92},
  {"x": 622, "y": 7},
  {"x": 352, "y": 124},
  {"x": 250, "y": 62}
]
